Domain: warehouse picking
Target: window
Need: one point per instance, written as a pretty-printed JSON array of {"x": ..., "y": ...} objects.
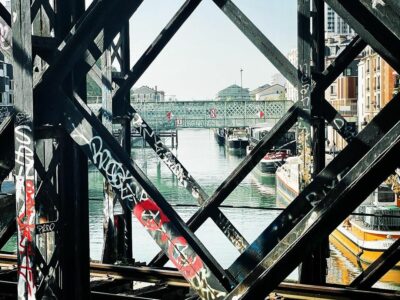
[{"x": 347, "y": 72}]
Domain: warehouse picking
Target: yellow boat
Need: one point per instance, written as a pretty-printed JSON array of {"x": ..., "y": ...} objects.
[{"x": 362, "y": 237}]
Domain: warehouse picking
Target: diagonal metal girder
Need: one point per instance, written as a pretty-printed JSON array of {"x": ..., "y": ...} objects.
[
  {"x": 355, "y": 186},
  {"x": 389, "y": 16},
  {"x": 240, "y": 172},
  {"x": 379, "y": 267},
  {"x": 283, "y": 65},
  {"x": 155, "y": 48},
  {"x": 139, "y": 195},
  {"x": 325, "y": 181},
  {"x": 89, "y": 39},
  {"x": 154, "y": 140},
  {"x": 328, "y": 77},
  {"x": 187, "y": 180},
  {"x": 371, "y": 30}
]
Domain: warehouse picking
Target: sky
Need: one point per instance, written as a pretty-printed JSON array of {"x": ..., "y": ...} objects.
[{"x": 207, "y": 53}]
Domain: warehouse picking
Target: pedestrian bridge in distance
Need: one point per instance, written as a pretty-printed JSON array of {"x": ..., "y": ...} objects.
[{"x": 208, "y": 114}]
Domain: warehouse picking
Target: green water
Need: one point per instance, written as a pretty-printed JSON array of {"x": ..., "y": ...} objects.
[{"x": 209, "y": 164}]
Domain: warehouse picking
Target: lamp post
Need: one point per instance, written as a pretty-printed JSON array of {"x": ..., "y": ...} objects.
[{"x": 241, "y": 83}]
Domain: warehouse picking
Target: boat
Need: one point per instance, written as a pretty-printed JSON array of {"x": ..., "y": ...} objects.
[
  {"x": 236, "y": 138},
  {"x": 276, "y": 157},
  {"x": 364, "y": 235},
  {"x": 374, "y": 227},
  {"x": 272, "y": 160},
  {"x": 233, "y": 137},
  {"x": 219, "y": 134}
]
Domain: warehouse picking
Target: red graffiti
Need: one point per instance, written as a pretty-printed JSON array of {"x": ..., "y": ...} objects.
[
  {"x": 150, "y": 215},
  {"x": 24, "y": 219},
  {"x": 189, "y": 265}
]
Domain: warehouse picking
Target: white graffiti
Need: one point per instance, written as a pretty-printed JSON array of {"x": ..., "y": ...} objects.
[
  {"x": 5, "y": 36},
  {"x": 375, "y": 3},
  {"x": 115, "y": 173},
  {"x": 25, "y": 199},
  {"x": 166, "y": 156},
  {"x": 201, "y": 285},
  {"x": 44, "y": 228}
]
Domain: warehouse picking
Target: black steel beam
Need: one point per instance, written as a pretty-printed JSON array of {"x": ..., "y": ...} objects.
[
  {"x": 240, "y": 172},
  {"x": 387, "y": 15},
  {"x": 24, "y": 142},
  {"x": 313, "y": 269},
  {"x": 283, "y": 65},
  {"x": 378, "y": 268},
  {"x": 331, "y": 73},
  {"x": 153, "y": 139},
  {"x": 356, "y": 185},
  {"x": 93, "y": 21},
  {"x": 5, "y": 15},
  {"x": 266, "y": 47},
  {"x": 126, "y": 127},
  {"x": 185, "y": 179},
  {"x": 371, "y": 30},
  {"x": 316, "y": 190},
  {"x": 138, "y": 194},
  {"x": 74, "y": 254}
]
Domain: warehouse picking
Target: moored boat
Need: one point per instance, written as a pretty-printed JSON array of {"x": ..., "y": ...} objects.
[
  {"x": 219, "y": 134},
  {"x": 272, "y": 160},
  {"x": 236, "y": 138},
  {"x": 363, "y": 236},
  {"x": 276, "y": 157}
]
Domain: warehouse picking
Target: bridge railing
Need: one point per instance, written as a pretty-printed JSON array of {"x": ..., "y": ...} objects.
[{"x": 210, "y": 114}]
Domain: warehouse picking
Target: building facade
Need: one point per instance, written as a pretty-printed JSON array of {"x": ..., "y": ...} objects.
[
  {"x": 269, "y": 92},
  {"x": 6, "y": 82},
  {"x": 335, "y": 25},
  {"x": 343, "y": 93},
  {"x": 147, "y": 94},
  {"x": 378, "y": 83},
  {"x": 233, "y": 93}
]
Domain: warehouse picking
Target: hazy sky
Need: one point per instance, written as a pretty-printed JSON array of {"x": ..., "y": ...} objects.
[{"x": 208, "y": 51}]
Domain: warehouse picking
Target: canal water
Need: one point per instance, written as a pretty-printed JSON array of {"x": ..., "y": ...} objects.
[{"x": 210, "y": 164}]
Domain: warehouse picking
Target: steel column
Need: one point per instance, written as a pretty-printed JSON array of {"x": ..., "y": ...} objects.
[
  {"x": 313, "y": 269},
  {"x": 24, "y": 149}
]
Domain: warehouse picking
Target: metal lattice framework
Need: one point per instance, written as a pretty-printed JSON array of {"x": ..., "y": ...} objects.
[
  {"x": 56, "y": 43},
  {"x": 209, "y": 114}
]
